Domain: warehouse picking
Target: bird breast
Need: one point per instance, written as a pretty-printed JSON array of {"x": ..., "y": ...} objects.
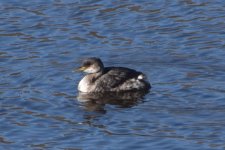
[{"x": 85, "y": 84}]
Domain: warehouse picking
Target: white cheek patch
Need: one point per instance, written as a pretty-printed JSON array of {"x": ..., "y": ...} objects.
[{"x": 90, "y": 70}]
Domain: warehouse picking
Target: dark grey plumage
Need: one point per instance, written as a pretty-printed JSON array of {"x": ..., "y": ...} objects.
[{"x": 116, "y": 79}]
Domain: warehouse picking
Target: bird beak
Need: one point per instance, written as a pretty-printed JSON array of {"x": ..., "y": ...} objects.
[{"x": 82, "y": 68}]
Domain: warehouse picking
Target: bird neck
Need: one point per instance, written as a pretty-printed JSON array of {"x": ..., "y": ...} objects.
[{"x": 95, "y": 76}]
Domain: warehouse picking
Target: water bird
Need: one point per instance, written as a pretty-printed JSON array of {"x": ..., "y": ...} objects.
[{"x": 110, "y": 79}]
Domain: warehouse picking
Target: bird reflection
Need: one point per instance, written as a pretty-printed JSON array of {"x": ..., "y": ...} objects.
[{"x": 97, "y": 101}]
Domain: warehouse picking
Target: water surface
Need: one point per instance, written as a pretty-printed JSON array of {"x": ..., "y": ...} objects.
[{"x": 179, "y": 45}]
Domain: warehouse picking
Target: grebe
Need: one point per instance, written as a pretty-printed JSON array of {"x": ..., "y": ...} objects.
[{"x": 110, "y": 79}]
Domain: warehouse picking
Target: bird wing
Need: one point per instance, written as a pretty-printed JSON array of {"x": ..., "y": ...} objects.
[{"x": 115, "y": 76}]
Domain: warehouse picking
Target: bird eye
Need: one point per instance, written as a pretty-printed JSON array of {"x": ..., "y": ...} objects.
[{"x": 87, "y": 63}]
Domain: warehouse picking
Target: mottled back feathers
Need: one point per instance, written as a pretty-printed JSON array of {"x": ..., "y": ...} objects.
[{"x": 114, "y": 77}]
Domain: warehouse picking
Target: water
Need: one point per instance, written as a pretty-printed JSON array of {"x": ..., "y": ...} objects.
[{"x": 178, "y": 44}]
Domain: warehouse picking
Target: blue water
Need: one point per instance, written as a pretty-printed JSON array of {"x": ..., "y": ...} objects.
[{"x": 179, "y": 45}]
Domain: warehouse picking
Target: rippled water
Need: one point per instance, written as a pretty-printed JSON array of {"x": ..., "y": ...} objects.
[{"x": 178, "y": 44}]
